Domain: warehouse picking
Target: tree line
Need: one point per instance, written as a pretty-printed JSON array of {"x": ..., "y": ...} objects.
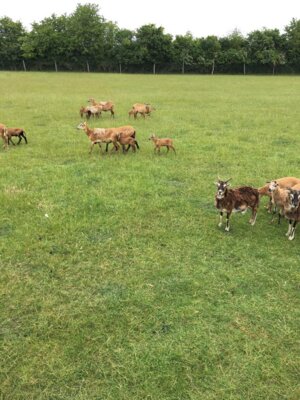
[{"x": 85, "y": 41}]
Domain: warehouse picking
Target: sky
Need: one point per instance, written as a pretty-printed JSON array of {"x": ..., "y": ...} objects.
[{"x": 200, "y": 17}]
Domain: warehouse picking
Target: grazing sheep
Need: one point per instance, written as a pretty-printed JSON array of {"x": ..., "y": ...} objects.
[
  {"x": 235, "y": 200},
  {"x": 292, "y": 212},
  {"x": 158, "y": 143},
  {"x": 104, "y": 106},
  {"x": 139, "y": 108},
  {"x": 90, "y": 111},
  {"x": 19, "y": 132}
]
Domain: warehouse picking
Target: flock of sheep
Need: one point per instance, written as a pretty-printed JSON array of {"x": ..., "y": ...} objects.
[
  {"x": 283, "y": 193},
  {"x": 284, "y": 198},
  {"x": 124, "y": 136}
]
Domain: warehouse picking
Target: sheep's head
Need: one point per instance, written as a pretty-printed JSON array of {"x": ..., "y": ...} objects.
[
  {"x": 272, "y": 186},
  {"x": 152, "y": 137},
  {"x": 294, "y": 198},
  {"x": 82, "y": 125},
  {"x": 222, "y": 188}
]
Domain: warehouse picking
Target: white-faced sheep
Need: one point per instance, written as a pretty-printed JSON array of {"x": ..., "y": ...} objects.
[
  {"x": 235, "y": 200},
  {"x": 285, "y": 182}
]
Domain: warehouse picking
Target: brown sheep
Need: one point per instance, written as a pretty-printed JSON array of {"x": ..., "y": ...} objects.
[
  {"x": 3, "y": 135},
  {"x": 238, "y": 199},
  {"x": 287, "y": 181},
  {"x": 139, "y": 108},
  {"x": 19, "y": 132},
  {"x": 99, "y": 135},
  {"x": 158, "y": 143},
  {"x": 104, "y": 106}
]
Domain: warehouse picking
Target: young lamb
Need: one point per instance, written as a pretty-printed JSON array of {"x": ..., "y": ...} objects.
[
  {"x": 19, "y": 132},
  {"x": 126, "y": 131},
  {"x": 127, "y": 140},
  {"x": 158, "y": 143},
  {"x": 292, "y": 212},
  {"x": 235, "y": 200},
  {"x": 99, "y": 135},
  {"x": 287, "y": 181},
  {"x": 104, "y": 106}
]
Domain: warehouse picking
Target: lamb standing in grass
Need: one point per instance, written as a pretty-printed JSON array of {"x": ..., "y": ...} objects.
[{"x": 165, "y": 142}]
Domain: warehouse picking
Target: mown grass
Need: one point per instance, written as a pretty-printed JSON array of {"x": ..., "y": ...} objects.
[{"x": 116, "y": 282}]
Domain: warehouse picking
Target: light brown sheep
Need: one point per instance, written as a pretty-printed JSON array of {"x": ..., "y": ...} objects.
[
  {"x": 104, "y": 106},
  {"x": 3, "y": 135},
  {"x": 139, "y": 108},
  {"x": 285, "y": 182},
  {"x": 99, "y": 135},
  {"x": 165, "y": 142},
  {"x": 18, "y": 132}
]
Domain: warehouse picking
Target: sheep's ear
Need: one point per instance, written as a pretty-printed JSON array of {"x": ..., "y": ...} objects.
[
  {"x": 228, "y": 180},
  {"x": 268, "y": 181},
  {"x": 216, "y": 183}
]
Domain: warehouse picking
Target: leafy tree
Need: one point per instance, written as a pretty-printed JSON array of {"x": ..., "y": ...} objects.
[
  {"x": 154, "y": 45},
  {"x": 11, "y": 34},
  {"x": 184, "y": 49},
  {"x": 86, "y": 30},
  {"x": 293, "y": 43},
  {"x": 211, "y": 48},
  {"x": 267, "y": 47},
  {"x": 48, "y": 40},
  {"x": 234, "y": 50},
  {"x": 125, "y": 47}
]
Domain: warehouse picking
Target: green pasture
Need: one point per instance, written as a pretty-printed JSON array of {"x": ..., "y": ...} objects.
[{"x": 116, "y": 281}]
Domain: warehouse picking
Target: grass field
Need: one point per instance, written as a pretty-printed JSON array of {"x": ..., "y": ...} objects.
[{"x": 116, "y": 282}]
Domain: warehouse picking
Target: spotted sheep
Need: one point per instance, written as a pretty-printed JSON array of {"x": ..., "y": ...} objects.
[
  {"x": 235, "y": 200},
  {"x": 279, "y": 198},
  {"x": 292, "y": 210}
]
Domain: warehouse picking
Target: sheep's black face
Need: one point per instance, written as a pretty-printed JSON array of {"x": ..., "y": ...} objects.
[
  {"x": 221, "y": 189},
  {"x": 294, "y": 198}
]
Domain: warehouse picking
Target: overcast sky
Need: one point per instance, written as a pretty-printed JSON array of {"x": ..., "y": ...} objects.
[{"x": 200, "y": 17}]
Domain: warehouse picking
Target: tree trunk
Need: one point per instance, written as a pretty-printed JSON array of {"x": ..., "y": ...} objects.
[
  {"x": 244, "y": 68},
  {"x": 88, "y": 66},
  {"x": 55, "y": 66},
  {"x": 213, "y": 67},
  {"x": 120, "y": 68},
  {"x": 182, "y": 69},
  {"x": 274, "y": 68},
  {"x": 154, "y": 65},
  {"x": 24, "y": 65}
]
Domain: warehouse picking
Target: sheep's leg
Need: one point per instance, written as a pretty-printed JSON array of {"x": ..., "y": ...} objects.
[
  {"x": 220, "y": 219},
  {"x": 173, "y": 148},
  {"x": 279, "y": 216},
  {"x": 168, "y": 149},
  {"x": 227, "y": 227},
  {"x": 137, "y": 145},
  {"x": 11, "y": 141},
  {"x": 25, "y": 138},
  {"x": 253, "y": 216},
  {"x": 92, "y": 147},
  {"x": 106, "y": 149},
  {"x": 133, "y": 148},
  {"x": 292, "y": 233},
  {"x": 290, "y": 228}
]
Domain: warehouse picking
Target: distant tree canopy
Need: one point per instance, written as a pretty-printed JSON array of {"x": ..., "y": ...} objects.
[{"x": 84, "y": 40}]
